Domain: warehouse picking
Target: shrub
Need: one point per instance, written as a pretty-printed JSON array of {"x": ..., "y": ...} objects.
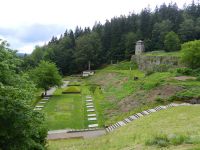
[
  {"x": 172, "y": 42},
  {"x": 191, "y": 54},
  {"x": 71, "y": 89},
  {"x": 184, "y": 71},
  {"x": 172, "y": 139},
  {"x": 75, "y": 83},
  {"x": 160, "y": 140}
]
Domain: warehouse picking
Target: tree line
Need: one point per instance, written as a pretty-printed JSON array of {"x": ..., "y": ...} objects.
[{"x": 115, "y": 40}]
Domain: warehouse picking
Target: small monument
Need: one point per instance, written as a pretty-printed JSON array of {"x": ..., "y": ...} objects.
[{"x": 139, "y": 47}]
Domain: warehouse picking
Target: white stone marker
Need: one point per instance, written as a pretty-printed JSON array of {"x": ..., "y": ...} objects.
[
  {"x": 37, "y": 109},
  {"x": 90, "y": 110},
  {"x": 93, "y": 125},
  {"x": 39, "y": 106},
  {"x": 92, "y": 119},
  {"x": 88, "y": 97},
  {"x": 91, "y": 115},
  {"x": 89, "y": 100},
  {"x": 90, "y": 106},
  {"x": 45, "y": 99}
]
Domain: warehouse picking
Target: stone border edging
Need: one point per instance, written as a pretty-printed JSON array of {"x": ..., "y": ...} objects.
[{"x": 141, "y": 114}]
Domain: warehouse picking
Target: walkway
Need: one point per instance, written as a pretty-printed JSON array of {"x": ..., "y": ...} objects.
[
  {"x": 65, "y": 134},
  {"x": 40, "y": 105}
]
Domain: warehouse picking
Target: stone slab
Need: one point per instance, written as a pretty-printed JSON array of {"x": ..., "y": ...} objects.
[
  {"x": 88, "y": 97},
  {"x": 90, "y": 110},
  {"x": 152, "y": 110},
  {"x": 90, "y": 106},
  {"x": 42, "y": 102},
  {"x": 92, "y": 119},
  {"x": 45, "y": 99},
  {"x": 133, "y": 117},
  {"x": 121, "y": 123},
  {"x": 39, "y": 106},
  {"x": 91, "y": 115},
  {"x": 93, "y": 125},
  {"x": 37, "y": 109},
  {"x": 89, "y": 100},
  {"x": 139, "y": 114}
]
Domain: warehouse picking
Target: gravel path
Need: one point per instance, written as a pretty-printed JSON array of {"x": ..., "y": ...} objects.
[
  {"x": 59, "y": 134},
  {"x": 52, "y": 90}
]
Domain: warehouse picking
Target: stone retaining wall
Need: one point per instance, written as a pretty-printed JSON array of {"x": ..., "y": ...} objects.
[{"x": 156, "y": 63}]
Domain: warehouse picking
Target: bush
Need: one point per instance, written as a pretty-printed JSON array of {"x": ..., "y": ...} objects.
[
  {"x": 191, "y": 54},
  {"x": 161, "y": 141},
  {"x": 75, "y": 83},
  {"x": 184, "y": 71},
  {"x": 172, "y": 139},
  {"x": 72, "y": 89},
  {"x": 172, "y": 42}
]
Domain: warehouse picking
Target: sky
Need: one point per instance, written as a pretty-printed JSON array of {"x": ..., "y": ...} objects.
[{"x": 27, "y": 23}]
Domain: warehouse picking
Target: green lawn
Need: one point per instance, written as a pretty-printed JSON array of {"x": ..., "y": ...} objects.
[
  {"x": 175, "y": 128},
  {"x": 65, "y": 111}
]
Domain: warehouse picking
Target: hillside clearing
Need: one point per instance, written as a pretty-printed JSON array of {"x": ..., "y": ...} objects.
[{"x": 181, "y": 121}]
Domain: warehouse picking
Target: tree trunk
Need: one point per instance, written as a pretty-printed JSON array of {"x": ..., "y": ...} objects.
[{"x": 45, "y": 92}]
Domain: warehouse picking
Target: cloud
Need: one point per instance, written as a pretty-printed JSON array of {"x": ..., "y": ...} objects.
[{"x": 26, "y": 37}]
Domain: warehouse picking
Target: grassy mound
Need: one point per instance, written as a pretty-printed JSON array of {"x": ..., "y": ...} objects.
[
  {"x": 175, "y": 128},
  {"x": 71, "y": 90},
  {"x": 74, "y": 83}
]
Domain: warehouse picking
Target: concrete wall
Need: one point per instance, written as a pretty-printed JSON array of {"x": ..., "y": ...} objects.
[{"x": 156, "y": 63}]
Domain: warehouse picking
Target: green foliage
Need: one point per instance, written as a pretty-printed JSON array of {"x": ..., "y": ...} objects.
[
  {"x": 87, "y": 49},
  {"x": 74, "y": 83},
  {"x": 187, "y": 30},
  {"x": 172, "y": 42},
  {"x": 159, "y": 32},
  {"x": 124, "y": 65},
  {"x": 46, "y": 75},
  {"x": 20, "y": 127},
  {"x": 191, "y": 54},
  {"x": 72, "y": 89},
  {"x": 184, "y": 71},
  {"x": 130, "y": 40},
  {"x": 172, "y": 139}
]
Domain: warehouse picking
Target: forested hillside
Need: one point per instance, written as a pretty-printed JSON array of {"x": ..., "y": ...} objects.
[{"x": 115, "y": 39}]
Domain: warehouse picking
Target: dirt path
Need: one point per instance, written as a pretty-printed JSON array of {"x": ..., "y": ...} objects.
[{"x": 63, "y": 134}]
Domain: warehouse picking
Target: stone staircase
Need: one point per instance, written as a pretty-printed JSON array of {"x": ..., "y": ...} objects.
[{"x": 141, "y": 114}]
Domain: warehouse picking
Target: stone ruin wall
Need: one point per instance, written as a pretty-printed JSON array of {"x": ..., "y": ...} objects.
[{"x": 156, "y": 63}]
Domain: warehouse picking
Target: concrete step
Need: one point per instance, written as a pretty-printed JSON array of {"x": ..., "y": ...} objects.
[
  {"x": 121, "y": 123},
  {"x": 127, "y": 120},
  {"x": 139, "y": 114}
]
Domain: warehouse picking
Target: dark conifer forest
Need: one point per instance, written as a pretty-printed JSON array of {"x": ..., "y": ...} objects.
[{"x": 114, "y": 41}]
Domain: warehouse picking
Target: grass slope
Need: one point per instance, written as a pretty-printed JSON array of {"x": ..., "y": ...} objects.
[
  {"x": 178, "y": 128},
  {"x": 117, "y": 94}
]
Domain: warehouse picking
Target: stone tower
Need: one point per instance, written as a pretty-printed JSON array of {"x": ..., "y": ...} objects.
[{"x": 139, "y": 47}]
